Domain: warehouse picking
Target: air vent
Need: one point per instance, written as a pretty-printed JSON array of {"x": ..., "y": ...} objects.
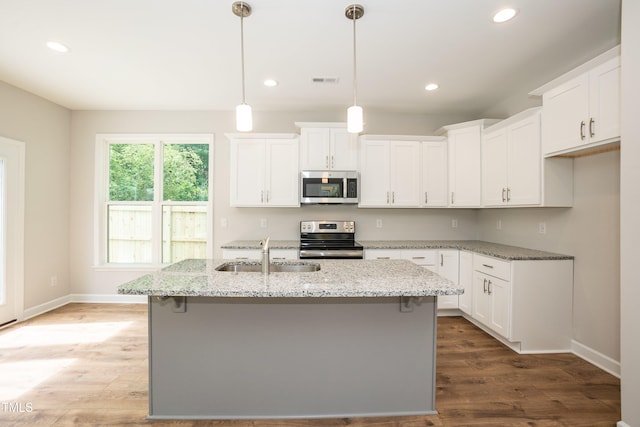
[{"x": 325, "y": 80}]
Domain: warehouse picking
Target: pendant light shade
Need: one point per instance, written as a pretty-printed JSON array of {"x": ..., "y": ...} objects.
[
  {"x": 355, "y": 118},
  {"x": 244, "y": 119},
  {"x": 244, "y": 116}
]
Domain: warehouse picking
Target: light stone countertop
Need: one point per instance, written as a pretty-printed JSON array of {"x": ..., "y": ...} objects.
[
  {"x": 336, "y": 278},
  {"x": 510, "y": 253}
]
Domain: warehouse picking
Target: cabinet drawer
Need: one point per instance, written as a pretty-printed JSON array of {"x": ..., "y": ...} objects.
[
  {"x": 382, "y": 254},
  {"x": 492, "y": 266},
  {"x": 241, "y": 253},
  {"x": 283, "y": 254},
  {"x": 420, "y": 256}
]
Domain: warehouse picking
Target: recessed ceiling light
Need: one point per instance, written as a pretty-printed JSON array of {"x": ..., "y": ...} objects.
[
  {"x": 57, "y": 46},
  {"x": 270, "y": 83},
  {"x": 431, "y": 86},
  {"x": 504, "y": 15}
]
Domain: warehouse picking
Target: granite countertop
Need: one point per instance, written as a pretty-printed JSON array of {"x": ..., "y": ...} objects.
[
  {"x": 511, "y": 253},
  {"x": 336, "y": 278}
]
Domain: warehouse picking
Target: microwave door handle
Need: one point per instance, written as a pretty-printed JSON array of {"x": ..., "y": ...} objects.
[{"x": 344, "y": 188}]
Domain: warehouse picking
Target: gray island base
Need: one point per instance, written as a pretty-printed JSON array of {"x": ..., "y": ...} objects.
[{"x": 364, "y": 347}]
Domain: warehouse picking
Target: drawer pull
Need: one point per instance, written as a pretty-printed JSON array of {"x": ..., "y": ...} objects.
[
  {"x": 487, "y": 265},
  {"x": 417, "y": 257},
  {"x": 383, "y": 257},
  {"x": 242, "y": 257}
]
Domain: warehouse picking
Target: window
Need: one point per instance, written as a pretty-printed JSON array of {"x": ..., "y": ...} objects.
[{"x": 155, "y": 198}]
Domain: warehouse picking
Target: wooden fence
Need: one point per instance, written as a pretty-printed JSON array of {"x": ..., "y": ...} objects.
[{"x": 184, "y": 233}]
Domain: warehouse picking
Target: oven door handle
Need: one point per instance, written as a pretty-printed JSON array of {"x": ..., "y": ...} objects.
[{"x": 330, "y": 253}]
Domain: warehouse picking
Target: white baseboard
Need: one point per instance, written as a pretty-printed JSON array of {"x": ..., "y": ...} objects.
[
  {"x": 596, "y": 358},
  {"x": 109, "y": 298},
  {"x": 47, "y": 306},
  {"x": 86, "y": 298}
]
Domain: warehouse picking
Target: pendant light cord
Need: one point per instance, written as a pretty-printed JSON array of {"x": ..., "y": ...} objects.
[
  {"x": 354, "y": 57},
  {"x": 242, "y": 49}
]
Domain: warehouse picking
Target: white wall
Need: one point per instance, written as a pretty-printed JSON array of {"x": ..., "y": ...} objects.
[
  {"x": 44, "y": 127},
  {"x": 590, "y": 232},
  {"x": 630, "y": 212},
  {"x": 244, "y": 223}
]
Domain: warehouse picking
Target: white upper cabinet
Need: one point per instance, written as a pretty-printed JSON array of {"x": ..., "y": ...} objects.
[
  {"x": 434, "y": 173},
  {"x": 511, "y": 162},
  {"x": 327, "y": 146},
  {"x": 581, "y": 109},
  {"x": 513, "y": 170},
  {"x": 464, "y": 161},
  {"x": 264, "y": 170},
  {"x": 389, "y": 173}
]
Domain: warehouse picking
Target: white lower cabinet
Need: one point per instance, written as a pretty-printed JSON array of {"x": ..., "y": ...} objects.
[
  {"x": 443, "y": 262},
  {"x": 465, "y": 280},
  {"x": 528, "y": 304}
]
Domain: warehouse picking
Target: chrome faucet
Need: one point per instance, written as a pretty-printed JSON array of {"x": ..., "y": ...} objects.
[{"x": 266, "y": 261}]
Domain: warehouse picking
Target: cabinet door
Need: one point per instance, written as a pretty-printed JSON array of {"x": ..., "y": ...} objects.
[
  {"x": 344, "y": 150},
  {"x": 566, "y": 115},
  {"x": 434, "y": 173},
  {"x": 448, "y": 268},
  {"x": 374, "y": 174},
  {"x": 315, "y": 148},
  {"x": 499, "y": 292},
  {"x": 464, "y": 167},
  {"x": 481, "y": 299},
  {"x": 523, "y": 162},
  {"x": 604, "y": 101},
  {"x": 494, "y": 168},
  {"x": 247, "y": 172},
  {"x": 282, "y": 186},
  {"x": 465, "y": 279},
  {"x": 404, "y": 173}
]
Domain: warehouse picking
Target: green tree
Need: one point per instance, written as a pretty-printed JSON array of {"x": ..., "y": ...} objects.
[{"x": 131, "y": 172}]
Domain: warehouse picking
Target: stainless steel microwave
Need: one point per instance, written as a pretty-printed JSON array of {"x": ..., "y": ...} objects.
[{"x": 325, "y": 187}]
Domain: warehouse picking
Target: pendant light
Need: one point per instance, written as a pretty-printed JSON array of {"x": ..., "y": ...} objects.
[
  {"x": 244, "y": 119},
  {"x": 354, "y": 113}
]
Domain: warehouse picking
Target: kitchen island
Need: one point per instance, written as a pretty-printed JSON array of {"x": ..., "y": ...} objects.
[{"x": 355, "y": 338}]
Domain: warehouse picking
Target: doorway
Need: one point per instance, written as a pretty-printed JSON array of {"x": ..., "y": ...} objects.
[{"x": 12, "y": 176}]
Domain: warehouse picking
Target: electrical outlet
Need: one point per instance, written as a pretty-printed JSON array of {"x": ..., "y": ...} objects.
[
  {"x": 263, "y": 223},
  {"x": 542, "y": 227},
  {"x": 378, "y": 223},
  {"x": 54, "y": 280},
  {"x": 454, "y": 223},
  {"x": 224, "y": 223},
  {"x": 499, "y": 224}
]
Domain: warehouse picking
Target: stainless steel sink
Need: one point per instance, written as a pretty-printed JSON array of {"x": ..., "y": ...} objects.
[{"x": 243, "y": 267}]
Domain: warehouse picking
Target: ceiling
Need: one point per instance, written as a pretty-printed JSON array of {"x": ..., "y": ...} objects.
[{"x": 185, "y": 54}]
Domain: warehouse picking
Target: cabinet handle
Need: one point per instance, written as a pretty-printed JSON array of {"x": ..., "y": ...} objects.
[
  {"x": 441, "y": 260},
  {"x": 582, "y": 130},
  {"x": 267, "y": 196},
  {"x": 281, "y": 257},
  {"x": 387, "y": 197},
  {"x": 326, "y": 161},
  {"x": 508, "y": 194},
  {"x": 241, "y": 257},
  {"x": 393, "y": 197},
  {"x": 383, "y": 257},
  {"x": 333, "y": 163},
  {"x": 262, "y": 196},
  {"x": 487, "y": 265},
  {"x": 417, "y": 257},
  {"x": 489, "y": 287},
  {"x": 591, "y": 123},
  {"x": 452, "y": 197},
  {"x": 484, "y": 286},
  {"x": 426, "y": 199},
  {"x": 503, "y": 197}
]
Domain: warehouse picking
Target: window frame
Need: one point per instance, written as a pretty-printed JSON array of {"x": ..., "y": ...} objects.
[{"x": 102, "y": 202}]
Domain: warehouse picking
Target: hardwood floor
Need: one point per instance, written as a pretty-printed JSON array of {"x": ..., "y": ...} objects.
[{"x": 86, "y": 365}]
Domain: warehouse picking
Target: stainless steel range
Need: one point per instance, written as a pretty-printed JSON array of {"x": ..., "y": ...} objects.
[{"x": 329, "y": 239}]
